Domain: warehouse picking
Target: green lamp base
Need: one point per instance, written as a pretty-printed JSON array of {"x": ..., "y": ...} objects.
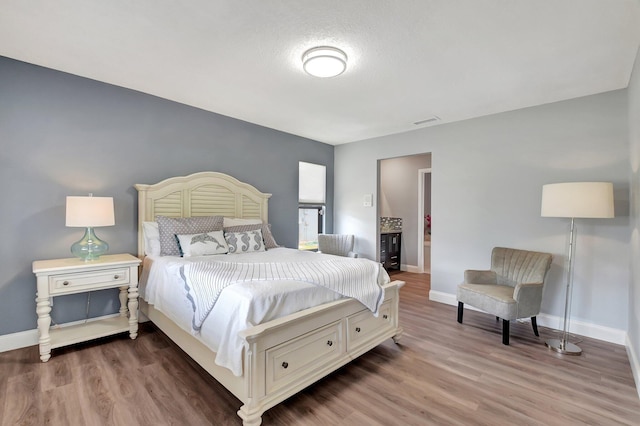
[{"x": 90, "y": 247}]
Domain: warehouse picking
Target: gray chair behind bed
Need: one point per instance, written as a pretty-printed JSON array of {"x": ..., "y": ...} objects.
[
  {"x": 512, "y": 289},
  {"x": 337, "y": 244}
]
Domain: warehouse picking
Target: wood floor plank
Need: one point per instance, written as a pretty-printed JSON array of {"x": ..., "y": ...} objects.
[
  {"x": 60, "y": 407},
  {"x": 20, "y": 407},
  {"x": 96, "y": 402},
  {"x": 56, "y": 372},
  {"x": 441, "y": 373}
]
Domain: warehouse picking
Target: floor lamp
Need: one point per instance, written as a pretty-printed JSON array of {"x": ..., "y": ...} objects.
[{"x": 574, "y": 200}]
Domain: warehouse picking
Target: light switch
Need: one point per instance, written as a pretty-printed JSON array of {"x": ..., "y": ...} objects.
[{"x": 368, "y": 200}]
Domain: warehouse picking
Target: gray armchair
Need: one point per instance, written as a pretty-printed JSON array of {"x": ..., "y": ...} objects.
[
  {"x": 512, "y": 289},
  {"x": 337, "y": 244}
]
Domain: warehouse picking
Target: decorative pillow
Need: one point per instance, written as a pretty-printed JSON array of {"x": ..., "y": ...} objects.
[
  {"x": 202, "y": 244},
  {"x": 244, "y": 241},
  {"x": 236, "y": 221},
  {"x": 151, "y": 237},
  {"x": 169, "y": 227},
  {"x": 269, "y": 241}
]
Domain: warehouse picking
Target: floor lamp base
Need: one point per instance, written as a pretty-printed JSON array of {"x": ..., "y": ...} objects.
[{"x": 563, "y": 347}]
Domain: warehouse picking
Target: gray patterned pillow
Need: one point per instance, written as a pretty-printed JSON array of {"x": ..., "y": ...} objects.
[
  {"x": 203, "y": 244},
  {"x": 169, "y": 227},
  {"x": 269, "y": 241},
  {"x": 244, "y": 242}
]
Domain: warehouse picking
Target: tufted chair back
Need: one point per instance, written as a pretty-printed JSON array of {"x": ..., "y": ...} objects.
[{"x": 337, "y": 244}]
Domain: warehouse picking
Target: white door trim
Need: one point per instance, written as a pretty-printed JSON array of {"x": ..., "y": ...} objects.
[{"x": 421, "y": 176}]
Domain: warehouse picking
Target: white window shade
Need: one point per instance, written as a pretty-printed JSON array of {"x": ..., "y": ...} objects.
[{"x": 312, "y": 182}]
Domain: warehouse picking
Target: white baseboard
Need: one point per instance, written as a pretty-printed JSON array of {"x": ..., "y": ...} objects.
[
  {"x": 410, "y": 268},
  {"x": 23, "y": 339},
  {"x": 441, "y": 297},
  {"x": 635, "y": 364},
  {"x": 595, "y": 331}
]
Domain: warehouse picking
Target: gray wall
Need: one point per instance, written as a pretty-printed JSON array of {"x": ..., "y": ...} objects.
[
  {"x": 65, "y": 135},
  {"x": 399, "y": 198},
  {"x": 634, "y": 293},
  {"x": 487, "y": 177}
]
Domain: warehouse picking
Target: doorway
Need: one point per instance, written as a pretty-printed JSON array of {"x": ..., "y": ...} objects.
[{"x": 404, "y": 194}]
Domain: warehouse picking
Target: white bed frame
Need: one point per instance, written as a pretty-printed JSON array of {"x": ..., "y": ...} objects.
[{"x": 282, "y": 356}]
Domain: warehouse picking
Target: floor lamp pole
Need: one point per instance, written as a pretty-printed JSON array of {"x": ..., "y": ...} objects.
[{"x": 563, "y": 345}]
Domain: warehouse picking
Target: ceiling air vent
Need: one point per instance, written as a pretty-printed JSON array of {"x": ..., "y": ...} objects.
[{"x": 427, "y": 120}]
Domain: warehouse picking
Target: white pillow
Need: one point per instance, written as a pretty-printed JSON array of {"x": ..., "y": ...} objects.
[
  {"x": 235, "y": 221},
  {"x": 151, "y": 236},
  {"x": 244, "y": 241},
  {"x": 203, "y": 244}
]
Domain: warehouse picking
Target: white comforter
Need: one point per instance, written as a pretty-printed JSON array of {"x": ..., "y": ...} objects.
[{"x": 239, "y": 306}]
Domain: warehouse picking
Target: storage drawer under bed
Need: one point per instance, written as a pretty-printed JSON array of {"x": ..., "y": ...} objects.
[
  {"x": 363, "y": 326},
  {"x": 291, "y": 359}
]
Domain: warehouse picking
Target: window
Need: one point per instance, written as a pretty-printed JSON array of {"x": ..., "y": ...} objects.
[{"x": 312, "y": 180}]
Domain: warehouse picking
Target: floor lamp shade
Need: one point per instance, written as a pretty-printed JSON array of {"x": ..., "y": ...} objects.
[
  {"x": 89, "y": 212},
  {"x": 574, "y": 200},
  {"x": 578, "y": 199}
]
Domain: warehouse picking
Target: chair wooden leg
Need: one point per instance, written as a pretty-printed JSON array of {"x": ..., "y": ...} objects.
[
  {"x": 460, "y": 310},
  {"x": 534, "y": 324},
  {"x": 505, "y": 332}
]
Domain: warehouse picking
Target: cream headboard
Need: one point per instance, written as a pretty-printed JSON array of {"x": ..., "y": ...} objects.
[{"x": 199, "y": 194}]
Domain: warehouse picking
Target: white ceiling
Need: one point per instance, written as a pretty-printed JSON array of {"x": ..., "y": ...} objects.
[{"x": 408, "y": 60}]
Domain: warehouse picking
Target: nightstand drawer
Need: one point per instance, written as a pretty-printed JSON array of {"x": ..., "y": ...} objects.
[{"x": 94, "y": 280}]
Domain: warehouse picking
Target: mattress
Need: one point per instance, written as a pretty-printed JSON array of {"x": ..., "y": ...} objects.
[{"x": 239, "y": 306}]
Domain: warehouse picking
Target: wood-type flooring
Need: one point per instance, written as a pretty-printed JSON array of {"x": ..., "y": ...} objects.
[{"x": 441, "y": 373}]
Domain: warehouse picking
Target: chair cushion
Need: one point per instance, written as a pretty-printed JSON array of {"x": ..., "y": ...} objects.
[{"x": 495, "y": 299}]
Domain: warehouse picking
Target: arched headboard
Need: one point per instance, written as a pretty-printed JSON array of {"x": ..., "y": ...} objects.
[{"x": 199, "y": 194}]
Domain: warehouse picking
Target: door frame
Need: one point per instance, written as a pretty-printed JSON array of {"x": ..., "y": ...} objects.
[{"x": 421, "y": 175}]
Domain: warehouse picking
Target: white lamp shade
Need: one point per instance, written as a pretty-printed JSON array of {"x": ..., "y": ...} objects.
[
  {"x": 578, "y": 199},
  {"x": 90, "y": 211}
]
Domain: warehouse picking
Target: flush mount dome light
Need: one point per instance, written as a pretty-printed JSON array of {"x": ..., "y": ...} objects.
[{"x": 324, "y": 61}]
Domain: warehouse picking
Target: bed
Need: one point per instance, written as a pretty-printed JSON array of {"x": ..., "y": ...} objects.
[{"x": 281, "y": 356}]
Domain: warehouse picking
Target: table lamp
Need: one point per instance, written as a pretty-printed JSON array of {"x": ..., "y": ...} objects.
[{"x": 89, "y": 212}]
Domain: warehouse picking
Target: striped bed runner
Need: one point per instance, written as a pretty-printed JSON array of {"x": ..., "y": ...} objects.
[{"x": 356, "y": 278}]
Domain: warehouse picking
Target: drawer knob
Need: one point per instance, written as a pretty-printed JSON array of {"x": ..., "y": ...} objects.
[
  {"x": 285, "y": 364},
  {"x": 329, "y": 342},
  {"x": 115, "y": 277},
  {"x": 385, "y": 316},
  {"x": 65, "y": 283},
  {"x": 357, "y": 329}
]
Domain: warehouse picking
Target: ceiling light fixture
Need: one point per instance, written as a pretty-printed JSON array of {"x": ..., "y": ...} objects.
[{"x": 324, "y": 61}]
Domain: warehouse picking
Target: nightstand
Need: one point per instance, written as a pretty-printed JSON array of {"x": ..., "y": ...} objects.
[{"x": 69, "y": 276}]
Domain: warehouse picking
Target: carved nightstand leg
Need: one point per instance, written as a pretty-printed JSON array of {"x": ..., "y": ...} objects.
[
  {"x": 43, "y": 308},
  {"x": 133, "y": 312},
  {"x": 123, "y": 301}
]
